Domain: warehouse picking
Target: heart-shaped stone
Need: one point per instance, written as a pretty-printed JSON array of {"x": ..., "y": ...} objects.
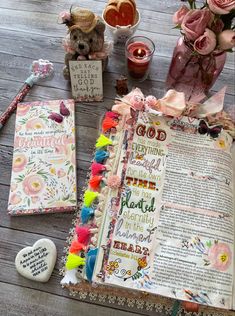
[{"x": 37, "y": 262}]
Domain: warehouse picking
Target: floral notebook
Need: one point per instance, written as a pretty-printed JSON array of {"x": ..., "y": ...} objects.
[
  {"x": 157, "y": 217},
  {"x": 44, "y": 159}
]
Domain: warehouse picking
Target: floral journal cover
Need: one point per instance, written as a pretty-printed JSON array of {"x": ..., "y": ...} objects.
[
  {"x": 44, "y": 159},
  {"x": 157, "y": 216}
]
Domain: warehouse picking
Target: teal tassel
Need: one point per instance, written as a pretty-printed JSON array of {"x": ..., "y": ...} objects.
[
  {"x": 101, "y": 155},
  {"x": 86, "y": 214},
  {"x": 175, "y": 308},
  {"x": 90, "y": 263}
]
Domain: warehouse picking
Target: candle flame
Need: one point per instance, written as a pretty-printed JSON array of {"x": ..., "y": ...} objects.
[{"x": 139, "y": 51}]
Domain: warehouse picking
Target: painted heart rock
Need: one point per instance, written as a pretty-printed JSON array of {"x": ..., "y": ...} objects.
[{"x": 37, "y": 262}]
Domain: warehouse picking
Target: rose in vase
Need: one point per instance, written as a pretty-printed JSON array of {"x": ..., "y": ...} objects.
[
  {"x": 226, "y": 39},
  {"x": 205, "y": 44},
  {"x": 194, "y": 23},
  {"x": 180, "y": 14},
  {"x": 221, "y": 7},
  {"x": 200, "y": 54}
]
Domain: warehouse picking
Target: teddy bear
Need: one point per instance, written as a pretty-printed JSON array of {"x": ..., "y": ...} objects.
[{"x": 85, "y": 39}]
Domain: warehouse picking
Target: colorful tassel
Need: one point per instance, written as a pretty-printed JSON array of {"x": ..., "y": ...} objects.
[
  {"x": 103, "y": 141},
  {"x": 108, "y": 123},
  {"x": 91, "y": 258},
  {"x": 101, "y": 155},
  {"x": 111, "y": 115},
  {"x": 74, "y": 261},
  {"x": 113, "y": 181},
  {"x": 94, "y": 182},
  {"x": 89, "y": 197},
  {"x": 76, "y": 247},
  {"x": 86, "y": 214},
  {"x": 97, "y": 168},
  {"x": 83, "y": 233}
]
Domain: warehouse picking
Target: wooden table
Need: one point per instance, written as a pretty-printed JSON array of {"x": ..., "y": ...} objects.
[{"x": 28, "y": 31}]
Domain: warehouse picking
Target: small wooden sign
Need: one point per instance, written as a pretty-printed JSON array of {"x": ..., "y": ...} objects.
[{"x": 86, "y": 80}]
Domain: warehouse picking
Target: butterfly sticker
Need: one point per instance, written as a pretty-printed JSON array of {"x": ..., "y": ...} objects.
[
  {"x": 133, "y": 117},
  {"x": 58, "y": 118},
  {"x": 204, "y": 128},
  {"x": 139, "y": 156}
]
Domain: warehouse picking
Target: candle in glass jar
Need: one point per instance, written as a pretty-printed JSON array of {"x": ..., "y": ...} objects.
[{"x": 139, "y": 54}]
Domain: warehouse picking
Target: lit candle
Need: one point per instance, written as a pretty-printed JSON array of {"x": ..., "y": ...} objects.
[{"x": 139, "y": 52}]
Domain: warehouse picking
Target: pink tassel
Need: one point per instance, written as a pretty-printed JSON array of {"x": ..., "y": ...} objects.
[
  {"x": 97, "y": 168},
  {"x": 95, "y": 182},
  {"x": 112, "y": 115},
  {"x": 108, "y": 123},
  {"x": 83, "y": 233}
]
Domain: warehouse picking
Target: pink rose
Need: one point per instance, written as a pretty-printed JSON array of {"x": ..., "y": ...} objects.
[
  {"x": 205, "y": 44},
  {"x": 19, "y": 162},
  {"x": 15, "y": 199},
  {"x": 61, "y": 173},
  {"x": 22, "y": 109},
  {"x": 35, "y": 123},
  {"x": 34, "y": 199},
  {"x": 226, "y": 39},
  {"x": 221, "y": 7},
  {"x": 150, "y": 101},
  {"x": 33, "y": 184},
  {"x": 65, "y": 16},
  {"x": 220, "y": 256},
  {"x": 195, "y": 22},
  {"x": 180, "y": 14},
  {"x": 217, "y": 25},
  {"x": 136, "y": 98}
]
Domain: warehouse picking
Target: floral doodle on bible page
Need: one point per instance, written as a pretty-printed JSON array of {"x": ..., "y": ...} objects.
[{"x": 43, "y": 168}]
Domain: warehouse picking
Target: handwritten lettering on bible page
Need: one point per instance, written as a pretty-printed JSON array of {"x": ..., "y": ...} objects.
[{"x": 172, "y": 233}]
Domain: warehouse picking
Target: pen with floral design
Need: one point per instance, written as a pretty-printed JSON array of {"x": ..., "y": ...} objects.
[{"x": 40, "y": 69}]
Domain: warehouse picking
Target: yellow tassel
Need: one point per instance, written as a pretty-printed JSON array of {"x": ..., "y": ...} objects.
[
  {"x": 74, "y": 261},
  {"x": 89, "y": 197},
  {"x": 103, "y": 141}
]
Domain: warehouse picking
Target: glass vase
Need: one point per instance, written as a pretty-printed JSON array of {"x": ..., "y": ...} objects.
[{"x": 192, "y": 73}]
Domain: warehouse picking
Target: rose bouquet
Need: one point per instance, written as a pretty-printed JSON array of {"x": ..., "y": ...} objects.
[{"x": 199, "y": 57}]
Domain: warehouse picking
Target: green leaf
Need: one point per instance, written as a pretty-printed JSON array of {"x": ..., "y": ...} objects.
[
  {"x": 20, "y": 178},
  {"x": 208, "y": 243},
  {"x": 65, "y": 198},
  {"x": 206, "y": 263},
  {"x": 178, "y": 26},
  {"x": 42, "y": 173},
  {"x": 71, "y": 168},
  {"x": 72, "y": 201}
]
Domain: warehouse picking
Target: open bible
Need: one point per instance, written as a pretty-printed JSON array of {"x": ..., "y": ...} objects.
[{"x": 161, "y": 212}]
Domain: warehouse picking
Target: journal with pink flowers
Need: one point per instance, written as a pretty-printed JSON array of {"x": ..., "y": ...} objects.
[{"x": 43, "y": 176}]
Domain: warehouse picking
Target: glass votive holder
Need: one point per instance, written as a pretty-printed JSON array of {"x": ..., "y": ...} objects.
[{"x": 139, "y": 51}]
